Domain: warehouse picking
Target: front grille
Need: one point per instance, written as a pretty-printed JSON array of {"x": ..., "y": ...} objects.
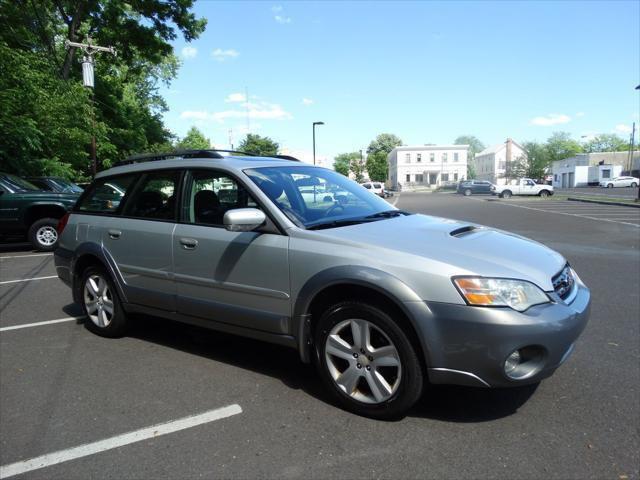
[{"x": 564, "y": 282}]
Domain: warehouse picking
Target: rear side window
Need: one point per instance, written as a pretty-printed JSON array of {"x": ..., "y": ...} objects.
[
  {"x": 155, "y": 196},
  {"x": 106, "y": 194},
  {"x": 377, "y": 185}
]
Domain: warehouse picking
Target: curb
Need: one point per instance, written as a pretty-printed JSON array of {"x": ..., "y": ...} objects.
[{"x": 603, "y": 202}]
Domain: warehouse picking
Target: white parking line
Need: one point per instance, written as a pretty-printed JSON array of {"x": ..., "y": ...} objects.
[
  {"x": 27, "y": 279},
  {"x": 117, "y": 441},
  {"x": 38, "y": 324},
  {"x": 25, "y": 256},
  {"x": 572, "y": 214}
]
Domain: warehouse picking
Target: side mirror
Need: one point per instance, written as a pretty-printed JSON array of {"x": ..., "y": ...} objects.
[{"x": 243, "y": 219}]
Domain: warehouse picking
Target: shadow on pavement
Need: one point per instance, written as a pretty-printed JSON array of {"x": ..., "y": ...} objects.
[{"x": 444, "y": 403}]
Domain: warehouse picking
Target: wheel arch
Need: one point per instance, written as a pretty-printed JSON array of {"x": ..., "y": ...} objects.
[
  {"x": 37, "y": 211},
  {"x": 91, "y": 254},
  {"x": 338, "y": 284}
]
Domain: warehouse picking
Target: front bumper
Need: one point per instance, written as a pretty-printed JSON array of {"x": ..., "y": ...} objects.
[{"x": 468, "y": 345}]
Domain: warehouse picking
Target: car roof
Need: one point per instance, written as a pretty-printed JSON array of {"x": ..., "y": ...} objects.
[{"x": 233, "y": 163}]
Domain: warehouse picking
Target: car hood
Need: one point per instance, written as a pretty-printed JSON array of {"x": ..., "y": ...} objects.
[{"x": 463, "y": 248}]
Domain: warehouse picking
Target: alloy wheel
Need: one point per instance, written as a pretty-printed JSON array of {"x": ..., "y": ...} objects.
[
  {"x": 47, "y": 235},
  {"x": 98, "y": 300},
  {"x": 362, "y": 360}
]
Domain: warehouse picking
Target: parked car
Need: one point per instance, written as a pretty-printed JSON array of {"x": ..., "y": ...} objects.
[
  {"x": 620, "y": 182},
  {"x": 381, "y": 300},
  {"x": 375, "y": 187},
  {"x": 55, "y": 184},
  {"x": 474, "y": 187},
  {"x": 31, "y": 213},
  {"x": 522, "y": 186}
]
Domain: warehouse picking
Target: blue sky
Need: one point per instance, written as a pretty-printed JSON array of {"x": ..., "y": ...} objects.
[{"x": 426, "y": 71}]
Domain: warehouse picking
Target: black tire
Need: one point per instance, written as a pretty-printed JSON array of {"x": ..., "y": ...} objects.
[
  {"x": 411, "y": 379},
  {"x": 634, "y": 185},
  {"x": 43, "y": 234},
  {"x": 506, "y": 194},
  {"x": 544, "y": 193},
  {"x": 467, "y": 192},
  {"x": 118, "y": 323},
  {"x": 610, "y": 185}
]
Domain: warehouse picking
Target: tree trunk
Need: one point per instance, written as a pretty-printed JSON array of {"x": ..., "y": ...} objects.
[{"x": 71, "y": 35}]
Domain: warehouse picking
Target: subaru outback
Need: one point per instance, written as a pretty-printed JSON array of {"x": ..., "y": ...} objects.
[{"x": 383, "y": 301}]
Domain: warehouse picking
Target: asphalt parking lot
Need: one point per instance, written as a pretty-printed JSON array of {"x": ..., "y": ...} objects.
[
  {"x": 205, "y": 404},
  {"x": 619, "y": 192}
]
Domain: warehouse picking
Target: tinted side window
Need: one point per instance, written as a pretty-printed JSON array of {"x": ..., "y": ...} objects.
[
  {"x": 106, "y": 194},
  {"x": 211, "y": 194},
  {"x": 155, "y": 197}
]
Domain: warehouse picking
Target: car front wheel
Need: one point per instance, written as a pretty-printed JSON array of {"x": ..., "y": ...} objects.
[
  {"x": 634, "y": 185},
  {"x": 544, "y": 193},
  {"x": 467, "y": 192},
  {"x": 101, "y": 305},
  {"x": 43, "y": 235},
  {"x": 367, "y": 362},
  {"x": 506, "y": 194},
  {"x": 610, "y": 185}
]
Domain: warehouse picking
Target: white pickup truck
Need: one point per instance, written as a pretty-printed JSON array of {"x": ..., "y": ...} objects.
[{"x": 522, "y": 186}]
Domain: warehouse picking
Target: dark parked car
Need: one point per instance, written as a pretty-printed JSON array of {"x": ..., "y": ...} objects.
[
  {"x": 27, "y": 211},
  {"x": 474, "y": 187},
  {"x": 55, "y": 184}
]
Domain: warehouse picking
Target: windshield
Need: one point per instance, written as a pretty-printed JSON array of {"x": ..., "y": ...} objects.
[
  {"x": 314, "y": 197},
  {"x": 18, "y": 184},
  {"x": 66, "y": 186}
]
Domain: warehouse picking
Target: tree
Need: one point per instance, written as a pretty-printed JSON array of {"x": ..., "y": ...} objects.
[
  {"x": 475, "y": 145},
  {"x": 385, "y": 142},
  {"x": 258, "y": 145},
  {"x": 194, "y": 140},
  {"x": 537, "y": 160},
  {"x": 471, "y": 171},
  {"x": 606, "y": 142},
  {"x": 377, "y": 166},
  {"x": 357, "y": 166},
  {"x": 560, "y": 145},
  {"x": 342, "y": 163}
]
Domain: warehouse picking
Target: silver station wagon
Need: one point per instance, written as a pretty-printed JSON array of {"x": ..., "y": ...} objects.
[{"x": 381, "y": 300}]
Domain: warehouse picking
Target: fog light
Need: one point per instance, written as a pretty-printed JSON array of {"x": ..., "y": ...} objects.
[{"x": 512, "y": 362}]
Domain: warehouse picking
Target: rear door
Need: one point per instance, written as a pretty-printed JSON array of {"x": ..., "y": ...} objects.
[
  {"x": 140, "y": 241},
  {"x": 239, "y": 278}
]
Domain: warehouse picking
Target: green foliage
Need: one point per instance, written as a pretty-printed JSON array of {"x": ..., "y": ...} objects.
[
  {"x": 475, "y": 145},
  {"x": 606, "y": 142},
  {"x": 377, "y": 166},
  {"x": 194, "y": 140},
  {"x": 560, "y": 145},
  {"x": 258, "y": 145},
  {"x": 357, "y": 166},
  {"x": 342, "y": 163},
  {"x": 471, "y": 171},
  {"x": 46, "y": 119},
  {"x": 385, "y": 142},
  {"x": 537, "y": 160}
]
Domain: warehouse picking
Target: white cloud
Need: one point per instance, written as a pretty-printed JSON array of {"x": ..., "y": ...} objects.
[
  {"x": 551, "y": 119},
  {"x": 222, "y": 55},
  {"x": 189, "y": 52},
  {"x": 258, "y": 111},
  {"x": 235, "y": 98},
  {"x": 307, "y": 101},
  {"x": 276, "y": 8},
  {"x": 580, "y": 114},
  {"x": 279, "y": 16},
  {"x": 622, "y": 128},
  {"x": 282, "y": 19}
]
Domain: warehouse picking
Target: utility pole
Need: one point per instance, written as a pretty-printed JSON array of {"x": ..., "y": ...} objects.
[{"x": 89, "y": 51}]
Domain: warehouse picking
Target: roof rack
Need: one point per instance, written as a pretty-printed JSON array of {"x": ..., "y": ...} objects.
[{"x": 152, "y": 157}]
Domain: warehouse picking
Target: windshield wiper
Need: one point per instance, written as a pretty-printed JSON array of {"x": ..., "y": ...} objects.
[
  {"x": 388, "y": 214},
  {"x": 339, "y": 223}
]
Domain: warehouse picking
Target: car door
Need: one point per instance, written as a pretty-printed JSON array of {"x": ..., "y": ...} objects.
[
  {"x": 141, "y": 240},
  {"x": 238, "y": 278}
]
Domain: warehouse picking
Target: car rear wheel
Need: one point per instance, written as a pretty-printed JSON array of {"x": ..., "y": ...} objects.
[
  {"x": 467, "y": 192},
  {"x": 610, "y": 185},
  {"x": 43, "y": 235},
  {"x": 367, "y": 361},
  {"x": 544, "y": 193},
  {"x": 101, "y": 305},
  {"x": 506, "y": 194},
  {"x": 634, "y": 185}
]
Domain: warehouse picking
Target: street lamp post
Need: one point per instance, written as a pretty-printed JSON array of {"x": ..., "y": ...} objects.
[
  {"x": 632, "y": 148},
  {"x": 314, "y": 140}
]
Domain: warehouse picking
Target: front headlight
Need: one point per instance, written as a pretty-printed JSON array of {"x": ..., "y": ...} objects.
[{"x": 500, "y": 292}]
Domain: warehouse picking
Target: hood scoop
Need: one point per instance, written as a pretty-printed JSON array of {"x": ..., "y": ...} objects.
[{"x": 462, "y": 231}]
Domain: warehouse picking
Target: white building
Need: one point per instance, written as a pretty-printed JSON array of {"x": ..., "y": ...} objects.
[
  {"x": 491, "y": 163},
  {"x": 589, "y": 168},
  {"x": 427, "y": 165}
]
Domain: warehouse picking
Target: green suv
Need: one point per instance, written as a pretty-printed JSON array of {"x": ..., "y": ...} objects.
[{"x": 26, "y": 211}]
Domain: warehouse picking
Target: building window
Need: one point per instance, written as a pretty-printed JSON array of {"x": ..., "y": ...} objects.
[
  {"x": 419, "y": 178},
  {"x": 444, "y": 157},
  {"x": 408, "y": 177},
  {"x": 432, "y": 157},
  {"x": 408, "y": 157},
  {"x": 419, "y": 157},
  {"x": 606, "y": 173},
  {"x": 445, "y": 177},
  {"x": 455, "y": 157},
  {"x": 555, "y": 177},
  {"x": 455, "y": 176}
]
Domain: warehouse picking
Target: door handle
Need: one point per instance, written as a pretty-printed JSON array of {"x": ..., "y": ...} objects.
[
  {"x": 115, "y": 234},
  {"x": 189, "y": 243}
]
